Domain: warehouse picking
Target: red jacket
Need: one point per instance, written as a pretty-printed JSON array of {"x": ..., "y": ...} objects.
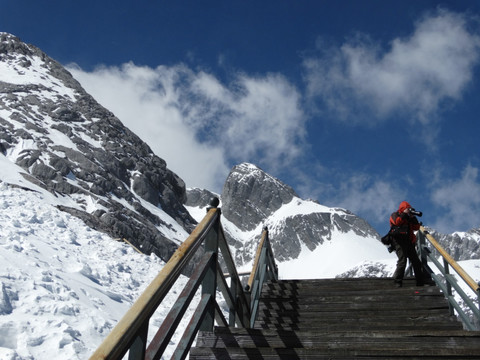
[{"x": 405, "y": 221}]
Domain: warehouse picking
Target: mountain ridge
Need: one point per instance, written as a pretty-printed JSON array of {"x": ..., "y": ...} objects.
[{"x": 71, "y": 146}]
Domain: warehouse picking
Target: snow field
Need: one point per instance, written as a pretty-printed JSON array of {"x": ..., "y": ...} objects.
[{"x": 63, "y": 286}]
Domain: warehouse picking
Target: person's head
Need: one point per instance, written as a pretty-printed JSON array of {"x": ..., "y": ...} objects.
[{"x": 403, "y": 206}]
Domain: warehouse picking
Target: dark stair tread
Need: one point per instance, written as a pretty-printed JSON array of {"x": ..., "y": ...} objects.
[
  {"x": 358, "y": 305},
  {"x": 222, "y": 330},
  {"x": 373, "y": 327},
  {"x": 338, "y": 350},
  {"x": 402, "y": 293},
  {"x": 354, "y": 324},
  {"x": 464, "y": 345},
  {"x": 374, "y": 340},
  {"x": 393, "y": 312}
]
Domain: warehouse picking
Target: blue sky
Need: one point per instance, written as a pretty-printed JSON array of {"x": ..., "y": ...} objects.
[{"x": 357, "y": 104}]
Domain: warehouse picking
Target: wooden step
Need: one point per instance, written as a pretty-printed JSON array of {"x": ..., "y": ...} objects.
[
  {"x": 248, "y": 338},
  {"x": 353, "y": 322},
  {"x": 329, "y": 314},
  {"x": 300, "y": 345},
  {"x": 324, "y": 312},
  {"x": 224, "y": 336},
  {"x": 343, "y": 287},
  {"x": 374, "y": 326},
  {"x": 314, "y": 292},
  {"x": 354, "y": 304},
  {"x": 445, "y": 348}
]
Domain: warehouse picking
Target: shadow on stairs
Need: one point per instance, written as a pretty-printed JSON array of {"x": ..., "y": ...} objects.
[{"x": 352, "y": 318}]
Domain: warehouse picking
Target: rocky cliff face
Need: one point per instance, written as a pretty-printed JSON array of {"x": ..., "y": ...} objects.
[
  {"x": 460, "y": 245},
  {"x": 68, "y": 144},
  {"x": 250, "y": 195}
]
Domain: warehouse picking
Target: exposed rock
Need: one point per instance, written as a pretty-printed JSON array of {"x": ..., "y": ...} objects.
[
  {"x": 460, "y": 245},
  {"x": 250, "y": 195},
  {"x": 199, "y": 197}
]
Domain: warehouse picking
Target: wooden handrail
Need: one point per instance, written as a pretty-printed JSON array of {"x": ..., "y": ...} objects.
[
  {"x": 264, "y": 268},
  {"x": 116, "y": 344},
  {"x": 467, "y": 278},
  {"x": 251, "y": 279}
]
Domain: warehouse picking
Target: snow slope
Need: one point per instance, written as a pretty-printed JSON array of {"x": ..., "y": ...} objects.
[{"x": 63, "y": 286}]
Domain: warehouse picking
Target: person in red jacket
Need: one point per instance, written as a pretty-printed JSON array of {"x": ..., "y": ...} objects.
[{"x": 402, "y": 226}]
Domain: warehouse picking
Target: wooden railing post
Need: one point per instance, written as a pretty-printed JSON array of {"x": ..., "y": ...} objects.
[
  {"x": 421, "y": 248},
  {"x": 446, "y": 266},
  {"x": 233, "y": 290},
  {"x": 137, "y": 350},
  {"x": 209, "y": 283}
]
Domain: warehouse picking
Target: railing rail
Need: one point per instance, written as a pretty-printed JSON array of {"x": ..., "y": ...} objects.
[
  {"x": 471, "y": 323},
  {"x": 131, "y": 333},
  {"x": 264, "y": 269}
]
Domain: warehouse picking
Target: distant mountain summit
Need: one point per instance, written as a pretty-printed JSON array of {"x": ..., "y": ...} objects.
[
  {"x": 252, "y": 199},
  {"x": 68, "y": 144},
  {"x": 250, "y": 196}
]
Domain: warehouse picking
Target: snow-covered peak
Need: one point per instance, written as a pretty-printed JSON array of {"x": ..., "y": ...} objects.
[
  {"x": 249, "y": 173},
  {"x": 22, "y": 64}
]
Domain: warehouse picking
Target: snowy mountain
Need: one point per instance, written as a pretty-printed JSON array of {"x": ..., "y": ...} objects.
[
  {"x": 253, "y": 199},
  {"x": 63, "y": 141},
  {"x": 73, "y": 180}
]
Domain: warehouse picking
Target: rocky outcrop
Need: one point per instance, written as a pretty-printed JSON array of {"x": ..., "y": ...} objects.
[
  {"x": 460, "y": 245},
  {"x": 200, "y": 198},
  {"x": 250, "y": 195}
]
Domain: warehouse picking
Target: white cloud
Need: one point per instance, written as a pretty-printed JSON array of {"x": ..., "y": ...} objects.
[
  {"x": 199, "y": 125},
  {"x": 256, "y": 118},
  {"x": 461, "y": 200},
  {"x": 373, "y": 199},
  {"x": 414, "y": 77}
]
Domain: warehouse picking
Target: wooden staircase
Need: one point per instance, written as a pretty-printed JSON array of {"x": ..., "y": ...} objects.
[{"x": 365, "y": 318}]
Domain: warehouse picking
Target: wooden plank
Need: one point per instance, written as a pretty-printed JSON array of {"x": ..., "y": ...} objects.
[
  {"x": 443, "y": 349},
  {"x": 294, "y": 340},
  {"x": 392, "y": 332}
]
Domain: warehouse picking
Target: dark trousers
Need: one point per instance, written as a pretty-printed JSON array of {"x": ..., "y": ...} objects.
[{"x": 406, "y": 250}]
